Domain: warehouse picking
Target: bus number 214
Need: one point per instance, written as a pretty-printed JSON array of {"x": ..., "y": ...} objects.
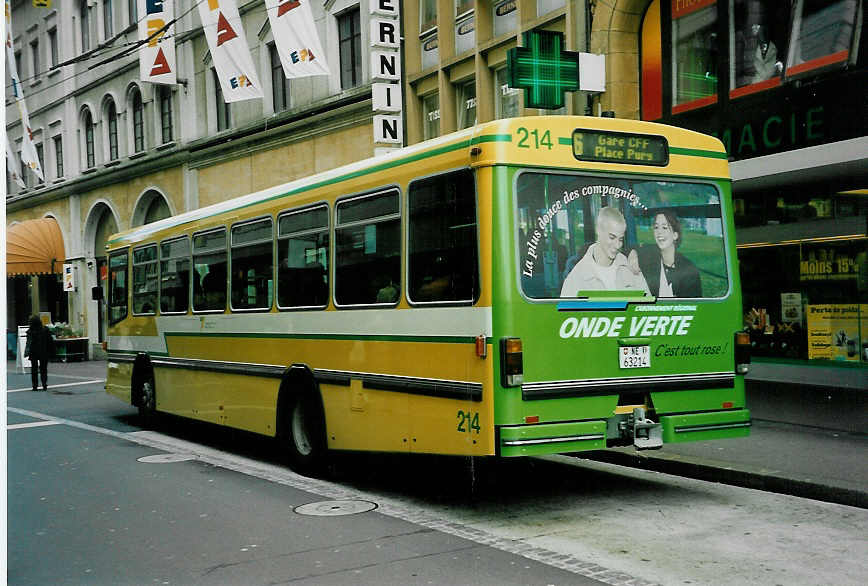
[{"x": 468, "y": 422}]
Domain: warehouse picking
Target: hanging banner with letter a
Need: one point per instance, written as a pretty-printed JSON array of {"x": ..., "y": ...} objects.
[
  {"x": 228, "y": 43},
  {"x": 157, "y": 55},
  {"x": 295, "y": 36}
]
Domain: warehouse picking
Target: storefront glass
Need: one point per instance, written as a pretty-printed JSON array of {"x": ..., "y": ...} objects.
[{"x": 806, "y": 297}]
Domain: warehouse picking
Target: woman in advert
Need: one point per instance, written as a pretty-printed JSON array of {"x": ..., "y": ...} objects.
[{"x": 667, "y": 272}]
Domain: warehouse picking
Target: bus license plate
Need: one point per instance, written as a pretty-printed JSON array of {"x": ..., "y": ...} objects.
[{"x": 634, "y": 356}]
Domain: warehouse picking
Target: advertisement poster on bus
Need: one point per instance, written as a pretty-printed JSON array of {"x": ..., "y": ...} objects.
[{"x": 837, "y": 331}]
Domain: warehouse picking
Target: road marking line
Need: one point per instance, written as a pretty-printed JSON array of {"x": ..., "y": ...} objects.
[
  {"x": 33, "y": 424},
  {"x": 387, "y": 506},
  {"x": 87, "y": 382}
]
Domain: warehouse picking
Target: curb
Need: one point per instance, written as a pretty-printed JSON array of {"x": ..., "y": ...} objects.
[{"x": 732, "y": 476}]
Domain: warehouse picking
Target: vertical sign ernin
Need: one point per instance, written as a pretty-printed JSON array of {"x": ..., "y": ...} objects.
[
  {"x": 157, "y": 55},
  {"x": 386, "y": 74}
]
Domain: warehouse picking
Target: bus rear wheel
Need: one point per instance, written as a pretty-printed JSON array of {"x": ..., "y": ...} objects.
[{"x": 304, "y": 435}]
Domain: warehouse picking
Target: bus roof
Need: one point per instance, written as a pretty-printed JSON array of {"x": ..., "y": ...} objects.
[{"x": 536, "y": 141}]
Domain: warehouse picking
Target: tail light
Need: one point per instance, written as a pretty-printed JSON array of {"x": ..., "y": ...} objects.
[
  {"x": 742, "y": 352},
  {"x": 511, "y": 365}
]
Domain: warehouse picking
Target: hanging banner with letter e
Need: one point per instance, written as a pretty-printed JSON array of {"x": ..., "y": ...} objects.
[
  {"x": 157, "y": 55},
  {"x": 295, "y": 36},
  {"x": 229, "y": 51}
]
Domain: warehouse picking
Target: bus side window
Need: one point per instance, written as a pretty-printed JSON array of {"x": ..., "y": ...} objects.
[
  {"x": 209, "y": 266},
  {"x": 443, "y": 243},
  {"x": 368, "y": 250},
  {"x": 302, "y": 256},
  {"x": 252, "y": 264},
  {"x": 174, "y": 275},
  {"x": 145, "y": 279}
]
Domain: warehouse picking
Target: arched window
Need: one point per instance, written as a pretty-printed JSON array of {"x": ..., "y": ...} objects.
[
  {"x": 88, "y": 139},
  {"x": 112, "y": 131}
]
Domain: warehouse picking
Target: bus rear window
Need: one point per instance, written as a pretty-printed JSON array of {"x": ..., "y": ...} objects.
[
  {"x": 117, "y": 287},
  {"x": 578, "y": 234}
]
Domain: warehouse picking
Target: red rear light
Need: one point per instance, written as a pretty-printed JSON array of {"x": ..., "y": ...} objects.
[
  {"x": 511, "y": 364},
  {"x": 742, "y": 352}
]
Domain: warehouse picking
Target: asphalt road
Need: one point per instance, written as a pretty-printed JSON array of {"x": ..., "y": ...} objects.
[{"x": 93, "y": 498}]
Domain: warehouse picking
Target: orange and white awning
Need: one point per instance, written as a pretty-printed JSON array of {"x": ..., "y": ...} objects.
[{"x": 34, "y": 247}]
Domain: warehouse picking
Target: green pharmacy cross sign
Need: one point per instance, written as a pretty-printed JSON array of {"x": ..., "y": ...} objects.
[{"x": 543, "y": 70}]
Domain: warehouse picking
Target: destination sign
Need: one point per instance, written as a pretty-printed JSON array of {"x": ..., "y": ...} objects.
[{"x": 619, "y": 147}]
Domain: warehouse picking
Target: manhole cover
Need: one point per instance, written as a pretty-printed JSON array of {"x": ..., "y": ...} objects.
[
  {"x": 166, "y": 458},
  {"x": 335, "y": 508}
]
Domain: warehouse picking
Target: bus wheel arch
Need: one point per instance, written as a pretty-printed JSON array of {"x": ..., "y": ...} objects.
[
  {"x": 144, "y": 391},
  {"x": 301, "y": 427}
]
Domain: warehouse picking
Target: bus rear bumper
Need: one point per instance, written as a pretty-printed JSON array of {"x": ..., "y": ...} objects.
[
  {"x": 552, "y": 438},
  {"x": 705, "y": 426}
]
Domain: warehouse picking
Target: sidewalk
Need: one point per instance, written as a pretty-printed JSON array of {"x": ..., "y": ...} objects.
[{"x": 817, "y": 458}]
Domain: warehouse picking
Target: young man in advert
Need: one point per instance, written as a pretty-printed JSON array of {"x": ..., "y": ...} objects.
[{"x": 604, "y": 266}]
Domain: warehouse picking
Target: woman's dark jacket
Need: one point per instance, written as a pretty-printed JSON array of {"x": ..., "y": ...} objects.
[
  {"x": 40, "y": 343},
  {"x": 684, "y": 276}
]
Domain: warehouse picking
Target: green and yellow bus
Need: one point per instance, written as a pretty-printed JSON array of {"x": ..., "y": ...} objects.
[{"x": 528, "y": 286}]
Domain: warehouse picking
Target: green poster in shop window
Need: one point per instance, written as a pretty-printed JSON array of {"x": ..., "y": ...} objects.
[{"x": 838, "y": 331}]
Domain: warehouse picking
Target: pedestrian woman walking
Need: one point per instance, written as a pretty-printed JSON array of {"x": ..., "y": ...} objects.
[{"x": 40, "y": 346}]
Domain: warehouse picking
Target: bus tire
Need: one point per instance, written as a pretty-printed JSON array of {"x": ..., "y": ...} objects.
[{"x": 304, "y": 434}]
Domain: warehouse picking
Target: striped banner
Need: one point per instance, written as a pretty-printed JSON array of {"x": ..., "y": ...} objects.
[
  {"x": 29, "y": 158},
  {"x": 229, "y": 51},
  {"x": 157, "y": 62},
  {"x": 295, "y": 37},
  {"x": 12, "y": 165}
]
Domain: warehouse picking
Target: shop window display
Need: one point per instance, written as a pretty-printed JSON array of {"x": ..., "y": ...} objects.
[{"x": 694, "y": 34}]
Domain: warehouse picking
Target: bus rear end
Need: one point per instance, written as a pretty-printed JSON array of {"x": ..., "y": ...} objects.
[{"x": 617, "y": 307}]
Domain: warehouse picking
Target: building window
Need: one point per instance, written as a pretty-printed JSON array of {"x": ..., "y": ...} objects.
[
  {"x": 466, "y": 94},
  {"x": 505, "y": 97},
  {"x": 58, "y": 155},
  {"x": 822, "y": 34},
  {"x": 302, "y": 256},
  {"x": 166, "y": 113},
  {"x": 350, "y": 39},
  {"x": 430, "y": 46},
  {"x": 18, "y": 64},
  {"x": 546, "y": 6},
  {"x": 463, "y": 6},
  {"x": 34, "y": 56},
  {"x": 431, "y": 116},
  {"x": 88, "y": 140},
  {"x": 279, "y": 81},
  {"x": 108, "y": 23},
  {"x": 442, "y": 246},
  {"x": 368, "y": 250},
  {"x": 113, "y": 131},
  {"x": 252, "y": 265},
  {"x": 694, "y": 34},
  {"x": 758, "y": 41},
  {"x": 54, "y": 53},
  {"x": 84, "y": 14},
  {"x": 505, "y": 16},
  {"x": 427, "y": 15},
  {"x": 223, "y": 111},
  {"x": 138, "y": 122},
  {"x": 132, "y": 9}
]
